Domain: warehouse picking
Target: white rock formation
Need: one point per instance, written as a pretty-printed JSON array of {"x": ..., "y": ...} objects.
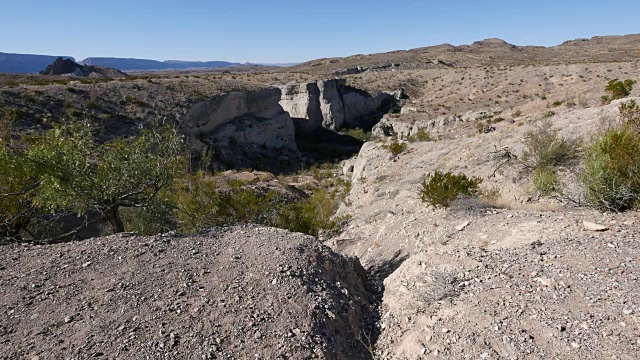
[{"x": 332, "y": 104}]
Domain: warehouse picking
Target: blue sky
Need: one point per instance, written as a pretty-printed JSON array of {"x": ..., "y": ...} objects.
[{"x": 294, "y": 31}]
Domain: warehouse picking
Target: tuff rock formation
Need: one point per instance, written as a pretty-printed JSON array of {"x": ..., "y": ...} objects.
[
  {"x": 243, "y": 129},
  {"x": 332, "y": 104}
]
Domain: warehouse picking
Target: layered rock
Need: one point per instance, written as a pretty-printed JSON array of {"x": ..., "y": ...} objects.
[
  {"x": 332, "y": 104},
  {"x": 243, "y": 129}
]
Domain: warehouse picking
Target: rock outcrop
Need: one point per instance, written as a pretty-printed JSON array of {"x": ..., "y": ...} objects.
[
  {"x": 302, "y": 101},
  {"x": 363, "y": 69},
  {"x": 332, "y": 104},
  {"x": 243, "y": 129},
  {"x": 71, "y": 68}
]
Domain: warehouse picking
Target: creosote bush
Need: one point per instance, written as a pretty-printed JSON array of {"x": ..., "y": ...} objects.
[
  {"x": 612, "y": 170},
  {"x": 545, "y": 180},
  {"x": 421, "y": 135},
  {"x": 619, "y": 89},
  {"x": 630, "y": 114},
  {"x": 440, "y": 189},
  {"x": 201, "y": 202},
  {"x": 545, "y": 151},
  {"x": 395, "y": 147},
  {"x": 545, "y": 148}
]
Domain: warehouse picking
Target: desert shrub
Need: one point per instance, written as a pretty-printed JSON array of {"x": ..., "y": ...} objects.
[
  {"x": 17, "y": 184},
  {"x": 548, "y": 114},
  {"x": 545, "y": 180},
  {"x": 91, "y": 105},
  {"x": 78, "y": 174},
  {"x": 556, "y": 103},
  {"x": 313, "y": 215},
  {"x": 544, "y": 148},
  {"x": 619, "y": 89},
  {"x": 630, "y": 114},
  {"x": 13, "y": 114},
  {"x": 395, "y": 147},
  {"x": 612, "y": 170},
  {"x": 440, "y": 189},
  {"x": 357, "y": 133},
  {"x": 155, "y": 217},
  {"x": 200, "y": 203},
  {"x": 421, "y": 135}
]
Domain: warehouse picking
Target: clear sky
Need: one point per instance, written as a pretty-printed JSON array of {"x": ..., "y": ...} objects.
[{"x": 270, "y": 31}]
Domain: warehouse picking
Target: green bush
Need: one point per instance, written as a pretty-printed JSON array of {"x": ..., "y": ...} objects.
[
  {"x": 91, "y": 105},
  {"x": 619, "y": 89},
  {"x": 545, "y": 181},
  {"x": 440, "y": 189},
  {"x": 612, "y": 171},
  {"x": 544, "y": 148},
  {"x": 76, "y": 173},
  {"x": 357, "y": 133},
  {"x": 201, "y": 203},
  {"x": 395, "y": 147},
  {"x": 630, "y": 114},
  {"x": 421, "y": 135}
]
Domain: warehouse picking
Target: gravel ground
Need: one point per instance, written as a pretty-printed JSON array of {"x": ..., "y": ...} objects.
[{"x": 243, "y": 292}]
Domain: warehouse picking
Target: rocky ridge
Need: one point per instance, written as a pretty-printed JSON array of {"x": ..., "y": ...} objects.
[{"x": 68, "y": 67}]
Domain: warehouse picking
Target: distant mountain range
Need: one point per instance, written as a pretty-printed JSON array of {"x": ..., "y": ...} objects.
[
  {"x": 153, "y": 65},
  {"x": 24, "y": 63}
]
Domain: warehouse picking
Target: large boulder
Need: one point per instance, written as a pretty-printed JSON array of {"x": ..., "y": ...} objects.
[{"x": 243, "y": 129}]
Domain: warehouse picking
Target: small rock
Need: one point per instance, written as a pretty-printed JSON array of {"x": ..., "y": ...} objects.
[
  {"x": 593, "y": 226},
  {"x": 88, "y": 263},
  {"x": 68, "y": 319},
  {"x": 462, "y": 226},
  {"x": 547, "y": 282}
]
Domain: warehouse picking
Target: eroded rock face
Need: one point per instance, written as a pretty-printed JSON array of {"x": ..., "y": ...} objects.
[
  {"x": 302, "y": 101},
  {"x": 243, "y": 129},
  {"x": 332, "y": 104}
]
